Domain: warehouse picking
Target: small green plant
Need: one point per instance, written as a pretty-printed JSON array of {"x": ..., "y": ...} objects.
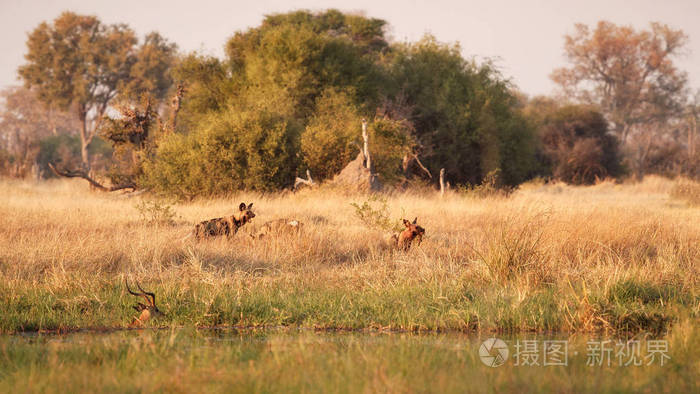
[
  {"x": 490, "y": 186},
  {"x": 156, "y": 212},
  {"x": 374, "y": 213}
]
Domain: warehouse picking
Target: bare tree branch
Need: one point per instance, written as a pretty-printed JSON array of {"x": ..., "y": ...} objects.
[
  {"x": 301, "y": 181},
  {"x": 422, "y": 166},
  {"x": 84, "y": 175}
]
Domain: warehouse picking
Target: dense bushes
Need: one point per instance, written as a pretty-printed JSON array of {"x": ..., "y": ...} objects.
[
  {"x": 291, "y": 95},
  {"x": 464, "y": 114},
  {"x": 576, "y": 142},
  {"x": 332, "y": 137},
  {"x": 63, "y": 150},
  {"x": 249, "y": 149}
]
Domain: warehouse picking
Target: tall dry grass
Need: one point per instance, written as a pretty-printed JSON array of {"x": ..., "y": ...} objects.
[{"x": 547, "y": 257}]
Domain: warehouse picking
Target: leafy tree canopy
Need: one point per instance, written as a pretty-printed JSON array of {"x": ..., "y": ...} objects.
[
  {"x": 317, "y": 75},
  {"x": 628, "y": 73},
  {"x": 77, "y": 61},
  {"x": 465, "y": 114}
]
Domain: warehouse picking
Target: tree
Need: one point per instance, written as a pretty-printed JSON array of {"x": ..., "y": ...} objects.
[
  {"x": 78, "y": 62},
  {"x": 131, "y": 136},
  {"x": 331, "y": 139},
  {"x": 301, "y": 54},
  {"x": 628, "y": 73},
  {"x": 312, "y": 77},
  {"x": 465, "y": 115},
  {"x": 24, "y": 123},
  {"x": 239, "y": 149},
  {"x": 208, "y": 88},
  {"x": 692, "y": 119},
  {"x": 577, "y": 145}
]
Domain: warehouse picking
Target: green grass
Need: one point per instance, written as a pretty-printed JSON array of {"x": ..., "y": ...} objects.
[
  {"x": 626, "y": 306},
  {"x": 294, "y": 361}
]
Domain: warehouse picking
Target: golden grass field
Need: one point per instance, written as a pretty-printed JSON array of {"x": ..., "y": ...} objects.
[
  {"x": 611, "y": 261},
  {"x": 550, "y": 257}
]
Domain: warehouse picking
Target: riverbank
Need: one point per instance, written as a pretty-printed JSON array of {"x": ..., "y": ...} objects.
[{"x": 549, "y": 258}]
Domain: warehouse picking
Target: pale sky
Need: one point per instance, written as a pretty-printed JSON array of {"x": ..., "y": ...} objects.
[{"x": 525, "y": 36}]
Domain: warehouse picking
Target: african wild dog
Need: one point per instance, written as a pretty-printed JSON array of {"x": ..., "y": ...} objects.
[
  {"x": 412, "y": 232},
  {"x": 278, "y": 227},
  {"x": 227, "y": 225}
]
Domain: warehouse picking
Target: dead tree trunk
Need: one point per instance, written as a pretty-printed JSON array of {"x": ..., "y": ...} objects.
[
  {"x": 691, "y": 138},
  {"x": 301, "y": 181},
  {"x": 176, "y": 104},
  {"x": 442, "y": 182},
  {"x": 84, "y": 141},
  {"x": 365, "y": 151}
]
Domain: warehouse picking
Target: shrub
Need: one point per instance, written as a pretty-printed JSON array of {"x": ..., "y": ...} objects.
[
  {"x": 248, "y": 149},
  {"x": 465, "y": 114},
  {"x": 491, "y": 186},
  {"x": 331, "y": 138},
  {"x": 389, "y": 141},
  {"x": 61, "y": 150},
  {"x": 376, "y": 217},
  {"x": 131, "y": 136},
  {"x": 575, "y": 140},
  {"x": 155, "y": 212}
]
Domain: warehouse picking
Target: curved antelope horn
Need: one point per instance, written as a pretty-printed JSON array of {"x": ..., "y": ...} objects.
[
  {"x": 152, "y": 301},
  {"x": 143, "y": 294}
]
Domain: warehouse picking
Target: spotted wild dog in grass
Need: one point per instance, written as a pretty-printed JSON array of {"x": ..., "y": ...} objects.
[
  {"x": 148, "y": 310},
  {"x": 279, "y": 227},
  {"x": 227, "y": 225},
  {"x": 412, "y": 232}
]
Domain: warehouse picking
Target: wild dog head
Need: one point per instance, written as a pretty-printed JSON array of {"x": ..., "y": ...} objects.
[
  {"x": 411, "y": 233},
  {"x": 148, "y": 310},
  {"x": 245, "y": 214}
]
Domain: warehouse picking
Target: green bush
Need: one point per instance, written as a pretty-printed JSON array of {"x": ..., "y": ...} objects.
[
  {"x": 464, "y": 114},
  {"x": 61, "y": 150},
  {"x": 330, "y": 140},
  {"x": 576, "y": 142},
  {"x": 390, "y": 140},
  {"x": 290, "y": 95},
  {"x": 374, "y": 213},
  {"x": 248, "y": 149},
  {"x": 155, "y": 212}
]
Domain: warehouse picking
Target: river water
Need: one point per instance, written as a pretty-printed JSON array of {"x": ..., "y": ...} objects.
[{"x": 294, "y": 360}]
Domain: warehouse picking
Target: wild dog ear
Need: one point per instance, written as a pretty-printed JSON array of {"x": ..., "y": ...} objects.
[
  {"x": 406, "y": 223},
  {"x": 415, "y": 220},
  {"x": 250, "y": 205},
  {"x": 241, "y": 207}
]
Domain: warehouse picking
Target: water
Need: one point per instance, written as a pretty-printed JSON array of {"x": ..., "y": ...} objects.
[{"x": 289, "y": 360}]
